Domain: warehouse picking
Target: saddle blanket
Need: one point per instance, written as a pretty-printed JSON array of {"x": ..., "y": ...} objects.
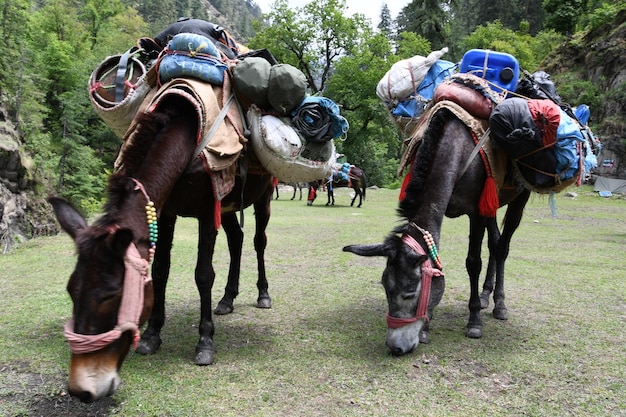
[{"x": 223, "y": 148}]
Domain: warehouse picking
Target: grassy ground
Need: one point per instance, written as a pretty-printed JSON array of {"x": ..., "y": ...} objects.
[{"x": 320, "y": 350}]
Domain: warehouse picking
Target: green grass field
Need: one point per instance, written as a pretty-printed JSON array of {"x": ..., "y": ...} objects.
[{"x": 320, "y": 350}]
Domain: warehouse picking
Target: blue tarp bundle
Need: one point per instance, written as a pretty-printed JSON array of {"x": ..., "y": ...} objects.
[
  {"x": 568, "y": 135},
  {"x": 318, "y": 120}
]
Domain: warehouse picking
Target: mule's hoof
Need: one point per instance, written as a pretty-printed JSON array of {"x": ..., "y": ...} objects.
[
  {"x": 264, "y": 302},
  {"x": 484, "y": 302},
  {"x": 501, "y": 313},
  {"x": 148, "y": 345},
  {"x": 223, "y": 308},
  {"x": 474, "y": 332},
  {"x": 424, "y": 337},
  {"x": 204, "y": 357}
]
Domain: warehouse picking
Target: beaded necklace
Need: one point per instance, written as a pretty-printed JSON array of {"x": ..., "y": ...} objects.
[
  {"x": 151, "y": 217},
  {"x": 430, "y": 242}
]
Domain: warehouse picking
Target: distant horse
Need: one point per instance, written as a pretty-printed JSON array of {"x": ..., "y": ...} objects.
[
  {"x": 161, "y": 177},
  {"x": 356, "y": 180},
  {"x": 297, "y": 186},
  {"x": 440, "y": 185}
]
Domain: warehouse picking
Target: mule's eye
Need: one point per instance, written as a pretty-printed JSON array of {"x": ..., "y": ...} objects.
[
  {"x": 409, "y": 295},
  {"x": 107, "y": 297}
]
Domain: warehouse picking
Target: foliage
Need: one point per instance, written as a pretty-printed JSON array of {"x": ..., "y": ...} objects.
[
  {"x": 605, "y": 14},
  {"x": 575, "y": 90},
  {"x": 411, "y": 44},
  {"x": 528, "y": 50},
  {"x": 428, "y": 18},
  {"x": 311, "y": 38},
  {"x": 563, "y": 14}
]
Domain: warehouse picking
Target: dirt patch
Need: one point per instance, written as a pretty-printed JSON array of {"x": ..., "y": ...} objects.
[{"x": 25, "y": 393}]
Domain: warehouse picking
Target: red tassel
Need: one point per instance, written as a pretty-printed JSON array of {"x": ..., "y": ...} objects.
[
  {"x": 405, "y": 182},
  {"x": 488, "y": 205},
  {"x": 217, "y": 214}
]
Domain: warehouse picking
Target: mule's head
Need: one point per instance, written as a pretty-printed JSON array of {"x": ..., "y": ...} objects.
[
  {"x": 403, "y": 283},
  {"x": 111, "y": 295}
]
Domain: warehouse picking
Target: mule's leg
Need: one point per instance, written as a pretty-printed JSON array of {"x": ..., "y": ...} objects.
[
  {"x": 512, "y": 219},
  {"x": 151, "y": 337},
  {"x": 262, "y": 218},
  {"x": 473, "y": 264},
  {"x": 295, "y": 189},
  {"x": 234, "y": 236},
  {"x": 205, "y": 276},
  {"x": 493, "y": 235},
  {"x": 356, "y": 194}
]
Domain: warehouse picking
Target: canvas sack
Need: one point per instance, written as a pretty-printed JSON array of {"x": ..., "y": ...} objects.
[
  {"x": 251, "y": 80},
  {"x": 287, "y": 88}
]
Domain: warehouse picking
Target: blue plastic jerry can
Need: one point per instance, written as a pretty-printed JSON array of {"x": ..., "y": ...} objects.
[{"x": 500, "y": 69}]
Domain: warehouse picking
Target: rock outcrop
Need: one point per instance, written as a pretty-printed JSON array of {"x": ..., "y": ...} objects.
[{"x": 24, "y": 213}]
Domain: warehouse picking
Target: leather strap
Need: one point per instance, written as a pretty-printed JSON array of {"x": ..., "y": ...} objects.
[
  {"x": 120, "y": 77},
  {"x": 213, "y": 129}
]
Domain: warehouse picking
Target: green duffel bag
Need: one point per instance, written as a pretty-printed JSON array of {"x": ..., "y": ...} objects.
[
  {"x": 251, "y": 78},
  {"x": 287, "y": 88}
]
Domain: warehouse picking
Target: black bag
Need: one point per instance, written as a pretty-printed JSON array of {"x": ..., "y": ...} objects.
[{"x": 514, "y": 131}]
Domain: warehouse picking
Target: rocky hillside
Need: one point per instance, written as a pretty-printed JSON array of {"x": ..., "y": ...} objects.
[
  {"x": 598, "y": 57},
  {"x": 24, "y": 213},
  {"x": 234, "y": 15}
]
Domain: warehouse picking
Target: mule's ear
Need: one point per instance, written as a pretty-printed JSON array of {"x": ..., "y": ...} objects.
[
  {"x": 367, "y": 250},
  {"x": 69, "y": 218}
]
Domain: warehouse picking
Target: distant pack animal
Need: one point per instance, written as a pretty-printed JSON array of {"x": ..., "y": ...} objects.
[
  {"x": 355, "y": 178},
  {"x": 297, "y": 186}
]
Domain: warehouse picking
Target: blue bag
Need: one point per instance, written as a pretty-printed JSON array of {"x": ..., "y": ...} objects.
[
  {"x": 192, "y": 55},
  {"x": 182, "y": 66}
]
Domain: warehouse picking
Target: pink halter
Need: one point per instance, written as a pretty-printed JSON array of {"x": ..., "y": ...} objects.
[{"x": 135, "y": 279}]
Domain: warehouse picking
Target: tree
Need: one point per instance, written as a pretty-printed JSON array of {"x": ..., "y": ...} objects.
[
  {"x": 158, "y": 13},
  {"x": 496, "y": 37},
  {"x": 387, "y": 25},
  {"x": 312, "y": 37},
  {"x": 96, "y": 12},
  {"x": 373, "y": 141},
  {"x": 428, "y": 18},
  {"x": 13, "y": 30},
  {"x": 562, "y": 15}
]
